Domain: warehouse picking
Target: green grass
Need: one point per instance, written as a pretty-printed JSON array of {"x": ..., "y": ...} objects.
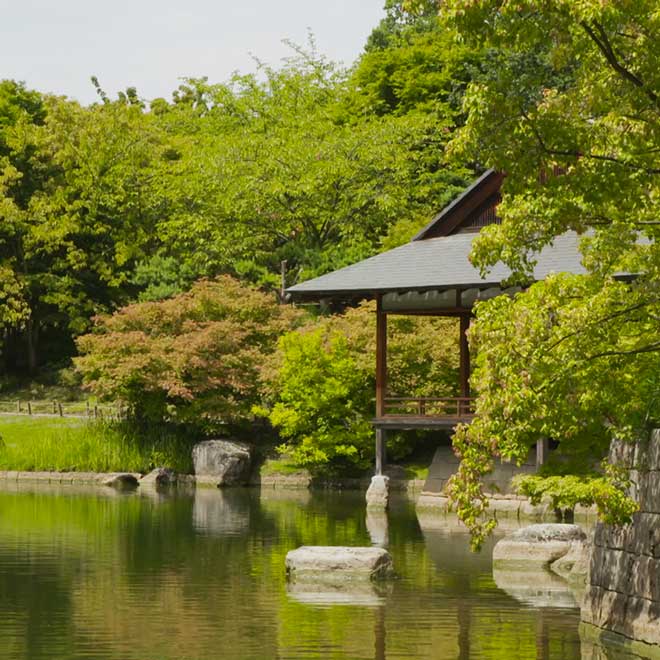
[
  {"x": 61, "y": 445},
  {"x": 280, "y": 466}
]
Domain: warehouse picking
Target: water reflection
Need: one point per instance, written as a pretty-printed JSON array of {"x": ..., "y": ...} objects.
[
  {"x": 96, "y": 574},
  {"x": 220, "y": 512},
  {"x": 536, "y": 588}
]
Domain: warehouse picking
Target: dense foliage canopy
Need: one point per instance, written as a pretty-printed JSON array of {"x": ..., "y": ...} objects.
[
  {"x": 572, "y": 118},
  {"x": 306, "y": 163}
]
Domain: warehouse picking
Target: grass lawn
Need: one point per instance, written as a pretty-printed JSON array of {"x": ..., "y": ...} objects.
[{"x": 61, "y": 445}]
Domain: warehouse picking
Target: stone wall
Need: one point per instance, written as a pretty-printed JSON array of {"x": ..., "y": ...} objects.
[
  {"x": 445, "y": 463},
  {"x": 622, "y": 602}
]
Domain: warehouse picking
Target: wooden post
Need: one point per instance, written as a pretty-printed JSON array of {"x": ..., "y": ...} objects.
[
  {"x": 96, "y": 411},
  {"x": 381, "y": 450},
  {"x": 59, "y": 408},
  {"x": 18, "y": 406},
  {"x": 87, "y": 408},
  {"x": 542, "y": 449},
  {"x": 381, "y": 357},
  {"x": 283, "y": 281},
  {"x": 54, "y": 408},
  {"x": 464, "y": 364},
  {"x": 29, "y": 407}
]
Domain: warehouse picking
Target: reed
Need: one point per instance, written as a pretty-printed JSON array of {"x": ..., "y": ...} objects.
[{"x": 61, "y": 445}]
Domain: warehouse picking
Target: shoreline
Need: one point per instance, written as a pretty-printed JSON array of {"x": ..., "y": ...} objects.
[{"x": 508, "y": 506}]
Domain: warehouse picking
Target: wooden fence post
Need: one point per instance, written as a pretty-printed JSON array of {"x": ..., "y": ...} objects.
[
  {"x": 59, "y": 408},
  {"x": 18, "y": 407},
  {"x": 29, "y": 408}
]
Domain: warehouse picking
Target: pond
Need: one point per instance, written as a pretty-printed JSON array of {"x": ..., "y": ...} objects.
[{"x": 96, "y": 574}]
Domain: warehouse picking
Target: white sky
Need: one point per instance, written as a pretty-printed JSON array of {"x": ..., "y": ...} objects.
[{"x": 56, "y": 45}]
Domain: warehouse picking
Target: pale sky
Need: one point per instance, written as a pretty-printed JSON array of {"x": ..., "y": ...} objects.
[{"x": 56, "y": 45}]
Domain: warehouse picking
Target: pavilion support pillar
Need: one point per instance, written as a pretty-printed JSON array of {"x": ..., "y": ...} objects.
[
  {"x": 379, "y": 491},
  {"x": 464, "y": 361},
  {"x": 542, "y": 450},
  {"x": 381, "y": 357}
]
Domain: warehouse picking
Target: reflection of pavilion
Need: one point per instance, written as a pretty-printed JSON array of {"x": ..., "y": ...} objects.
[{"x": 432, "y": 276}]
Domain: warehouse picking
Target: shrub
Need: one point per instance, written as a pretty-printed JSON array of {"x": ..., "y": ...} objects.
[
  {"x": 195, "y": 358},
  {"x": 322, "y": 384}
]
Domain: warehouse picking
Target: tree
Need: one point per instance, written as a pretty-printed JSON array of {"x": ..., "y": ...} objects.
[
  {"x": 78, "y": 205},
  {"x": 195, "y": 358},
  {"x": 279, "y": 168},
  {"x": 322, "y": 381},
  {"x": 572, "y": 118}
]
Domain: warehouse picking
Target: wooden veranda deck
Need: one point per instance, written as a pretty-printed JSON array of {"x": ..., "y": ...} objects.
[{"x": 407, "y": 413}]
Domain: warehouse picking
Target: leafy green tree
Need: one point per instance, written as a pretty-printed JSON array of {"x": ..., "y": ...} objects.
[
  {"x": 78, "y": 206},
  {"x": 572, "y": 118},
  {"x": 322, "y": 382},
  {"x": 195, "y": 358},
  {"x": 277, "y": 168}
]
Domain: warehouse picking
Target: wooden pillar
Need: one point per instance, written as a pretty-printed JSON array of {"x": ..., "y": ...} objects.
[
  {"x": 381, "y": 450},
  {"x": 381, "y": 357},
  {"x": 465, "y": 356},
  {"x": 542, "y": 449},
  {"x": 381, "y": 381}
]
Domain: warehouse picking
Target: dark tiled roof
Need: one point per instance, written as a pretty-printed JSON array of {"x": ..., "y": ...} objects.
[
  {"x": 456, "y": 211},
  {"x": 433, "y": 264}
]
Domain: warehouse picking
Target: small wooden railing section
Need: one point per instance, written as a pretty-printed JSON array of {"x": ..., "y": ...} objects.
[
  {"x": 76, "y": 409},
  {"x": 426, "y": 406}
]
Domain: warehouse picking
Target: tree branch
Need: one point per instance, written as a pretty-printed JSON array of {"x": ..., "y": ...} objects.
[{"x": 603, "y": 43}]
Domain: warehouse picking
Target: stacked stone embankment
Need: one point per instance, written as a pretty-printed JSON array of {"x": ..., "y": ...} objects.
[{"x": 622, "y": 602}]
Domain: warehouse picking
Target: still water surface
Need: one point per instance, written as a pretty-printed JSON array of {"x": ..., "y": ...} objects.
[{"x": 99, "y": 575}]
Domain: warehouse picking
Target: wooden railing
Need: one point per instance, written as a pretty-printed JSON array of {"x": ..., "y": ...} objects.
[
  {"x": 426, "y": 406},
  {"x": 78, "y": 409}
]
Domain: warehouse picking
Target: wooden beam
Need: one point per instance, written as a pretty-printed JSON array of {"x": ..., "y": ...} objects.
[
  {"x": 464, "y": 364},
  {"x": 381, "y": 357},
  {"x": 440, "y": 311}
]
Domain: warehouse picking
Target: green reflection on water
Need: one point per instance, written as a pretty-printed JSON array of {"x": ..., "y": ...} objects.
[{"x": 95, "y": 574}]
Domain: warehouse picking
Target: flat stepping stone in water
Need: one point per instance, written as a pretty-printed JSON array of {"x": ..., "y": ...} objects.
[
  {"x": 536, "y": 546},
  {"x": 339, "y": 563}
]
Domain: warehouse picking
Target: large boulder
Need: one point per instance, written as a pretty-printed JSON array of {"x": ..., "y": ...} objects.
[
  {"x": 338, "y": 562},
  {"x": 222, "y": 462},
  {"x": 536, "y": 546}
]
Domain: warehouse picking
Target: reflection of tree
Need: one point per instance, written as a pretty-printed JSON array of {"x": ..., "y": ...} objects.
[
  {"x": 113, "y": 572},
  {"x": 35, "y": 597}
]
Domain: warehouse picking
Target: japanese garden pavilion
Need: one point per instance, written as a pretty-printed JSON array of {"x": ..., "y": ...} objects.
[{"x": 432, "y": 276}]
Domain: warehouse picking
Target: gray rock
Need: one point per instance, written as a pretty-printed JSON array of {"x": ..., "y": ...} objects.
[
  {"x": 159, "y": 477},
  {"x": 536, "y": 546},
  {"x": 122, "y": 481},
  {"x": 378, "y": 493},
  {"x": 327, "y": 562},
  {"x": 222, "y": 462},
  {"x": 574, "y": 565}
]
